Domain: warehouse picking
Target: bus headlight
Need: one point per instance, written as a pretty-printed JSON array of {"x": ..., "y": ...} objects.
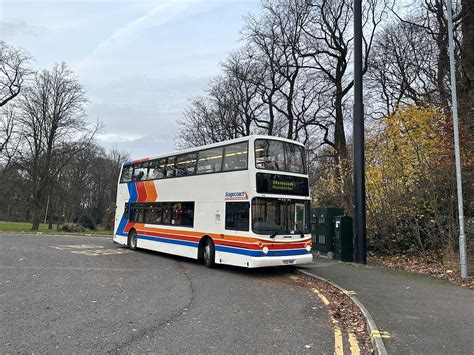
[
  {"x": 265, "y": 250},
  {"x": 308, "y": 248}
]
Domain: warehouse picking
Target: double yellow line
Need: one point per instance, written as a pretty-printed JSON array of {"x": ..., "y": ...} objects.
[{"x": 338, "y": 343}]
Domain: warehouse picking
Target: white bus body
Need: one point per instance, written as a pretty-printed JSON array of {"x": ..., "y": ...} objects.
[{"x": 227, "y": 216}]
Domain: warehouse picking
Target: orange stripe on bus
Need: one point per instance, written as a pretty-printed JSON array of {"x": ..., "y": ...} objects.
[
  {"x": 230, "y": 238},
  {"x": 150, "y": 191}
]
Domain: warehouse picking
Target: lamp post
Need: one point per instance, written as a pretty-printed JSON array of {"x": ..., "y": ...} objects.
[
  {"x": 358, "y": 137},
  {"x": 457, "y": 154}
]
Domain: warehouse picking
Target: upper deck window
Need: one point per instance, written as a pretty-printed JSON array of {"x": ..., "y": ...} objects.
[
  {"x": 235, "y": 156},
  {"x": 127, "y": 172},
  {"x": 140, "y": 172},
  {"x": 280, "y": 156},
  {"x": 185, "y": 164},
  {"x": 157, "y": 169},
  {"x": 210, "y": 161},
  {"x": 170, "y": 170},
  {"x": 230, "y": 157}
]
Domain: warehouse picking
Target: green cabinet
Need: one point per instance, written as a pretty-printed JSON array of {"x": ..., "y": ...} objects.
[
  {"x": 322, "y": 227},
  {"x": 343, "y": 238}
]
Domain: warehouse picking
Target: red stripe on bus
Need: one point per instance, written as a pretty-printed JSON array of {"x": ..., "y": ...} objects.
[
  {"x": 168, "y": 236},
  {"x": 140, "y": 160},
  {"x": 141, "y": 190},
  {"x": 226, "y": 240}
]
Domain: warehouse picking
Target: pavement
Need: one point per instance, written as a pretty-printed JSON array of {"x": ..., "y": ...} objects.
[
  {"x": 62, "y": 294},
  {"x": 416, "y": 314}
]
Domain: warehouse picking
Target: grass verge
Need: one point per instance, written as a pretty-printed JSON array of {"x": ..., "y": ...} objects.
[{"x": 22, "y": 227}]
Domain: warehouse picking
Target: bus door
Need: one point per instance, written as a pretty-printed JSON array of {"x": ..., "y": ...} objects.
[{"x": 300, "y": 216}]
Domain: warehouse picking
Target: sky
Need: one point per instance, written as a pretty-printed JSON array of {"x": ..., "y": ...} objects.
[{"x": 139, "y": 60}]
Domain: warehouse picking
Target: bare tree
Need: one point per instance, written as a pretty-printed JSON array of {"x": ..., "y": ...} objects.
[
  {"x": 202, "y": 124},
  {"x": 88, "y": 186},
  {"x": 276, "y": 36},
  {"x": 231, "y": 109},
  {"x": 13, "y": 71},
  {"x": 241, "y": 78},
  {"x": 54, "y": 130},
  {"x": 402, "y": 68},
  {"x": 329, "y": 45},
  {"x": 430, "y": 17},
  {"x": 466, "y": 93},
  {"x": 8, "y": 134}
]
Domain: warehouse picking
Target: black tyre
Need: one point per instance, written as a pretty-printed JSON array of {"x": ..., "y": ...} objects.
[
  {"x": 132, "y": 240},
  {"x": 209, "y": 254}
]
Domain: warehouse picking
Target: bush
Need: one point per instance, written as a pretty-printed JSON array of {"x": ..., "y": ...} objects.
[
  {"x": 72, "y": 227},
  {"x": 87, "y": 221}
]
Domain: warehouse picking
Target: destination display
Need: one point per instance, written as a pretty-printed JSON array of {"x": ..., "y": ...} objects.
[{"x": 282, "y": 184}]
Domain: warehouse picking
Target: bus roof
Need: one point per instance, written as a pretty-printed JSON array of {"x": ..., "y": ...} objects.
[{"x": 213, "y": 145}]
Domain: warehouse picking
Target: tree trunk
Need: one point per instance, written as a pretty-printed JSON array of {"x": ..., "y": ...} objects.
[
  {"x": 342, "y": 161},
  {"x": 50, "y": 218},
  {"x": 37, "y": 211}
]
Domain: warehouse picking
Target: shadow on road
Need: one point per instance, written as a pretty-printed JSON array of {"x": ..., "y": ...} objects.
[{"x": 255, "y": 272}]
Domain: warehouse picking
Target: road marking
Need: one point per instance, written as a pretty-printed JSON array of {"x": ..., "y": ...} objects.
[
  {"x": 354, "y": 345},
  {"x": 350, "y": 293},
  {"x": 338, "y": 343},
  {"x": 98, "y": 252},
  {"x": 90, "y": 250},
  {"x": 76, "y": 246},
  {"x": 338, "y": 347},
  {"x": 321, "y": 296},
  {"x": 379, "y": 334}
]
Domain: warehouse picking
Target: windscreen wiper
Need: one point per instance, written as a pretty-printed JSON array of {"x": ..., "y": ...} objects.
[{"x": 275, "y": 233}]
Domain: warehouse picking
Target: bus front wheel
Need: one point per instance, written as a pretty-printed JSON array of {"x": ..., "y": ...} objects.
[
  {"x": 209, "y": 253},
  {"x": 132, "y": 239}
]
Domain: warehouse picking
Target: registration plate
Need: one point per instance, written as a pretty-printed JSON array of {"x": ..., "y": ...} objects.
[{"x": 289, "y": 261}]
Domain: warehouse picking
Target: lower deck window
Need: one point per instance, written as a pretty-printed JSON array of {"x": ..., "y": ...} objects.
[
  {"x": 237, "y": 216},
  {"x": 125, "y": 211},
  {"x": 163, "y": 213}
]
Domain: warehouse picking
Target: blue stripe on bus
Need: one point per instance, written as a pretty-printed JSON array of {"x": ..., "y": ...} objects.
[
  {"x": 132, "y": 190},
  {"x": 287, "y": 252},
  {"x": 225, "y": 249},
  {"x": 248, "y": 252},
  {"x": 121, "y": 227},
  {"x": 170, "y": 241},
  {"x": 239, "y": 251}
]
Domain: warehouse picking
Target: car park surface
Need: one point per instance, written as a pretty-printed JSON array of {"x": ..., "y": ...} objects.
[{"x": 87, "y": 294}]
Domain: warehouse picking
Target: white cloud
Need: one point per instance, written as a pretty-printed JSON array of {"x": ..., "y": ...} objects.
[
  {"x": 118, "y": 137},
  {"x": 14, "y": 27},
  {"x": 159, "y": 15},
  {"x": 139, "y": 113}
]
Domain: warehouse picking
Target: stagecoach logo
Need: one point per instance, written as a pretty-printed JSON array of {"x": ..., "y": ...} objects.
[{"x": 236, "y": 195}]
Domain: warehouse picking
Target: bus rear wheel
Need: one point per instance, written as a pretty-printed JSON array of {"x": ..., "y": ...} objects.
[
  {"x": 209, "y": 254},
  {"x": 132, "y": 239}
]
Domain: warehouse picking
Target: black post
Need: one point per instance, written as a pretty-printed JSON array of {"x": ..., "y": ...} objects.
[{"x": 358, "y": 137}]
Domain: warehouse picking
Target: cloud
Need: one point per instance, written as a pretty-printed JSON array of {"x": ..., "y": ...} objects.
[
  {"x": 115, "y": 138},
  {"x": 139, "y": 113},
  {"x": 15, "y": 27},
  {"x": 157, "y": 16}
]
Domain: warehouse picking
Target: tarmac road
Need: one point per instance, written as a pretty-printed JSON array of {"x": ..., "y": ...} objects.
[
  {"x": 416, "y": 314},
  {"x": 81, "y": 294}
]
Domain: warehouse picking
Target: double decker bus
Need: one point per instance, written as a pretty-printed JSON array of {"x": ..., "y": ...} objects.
[{"x": 242, "y": 202}]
